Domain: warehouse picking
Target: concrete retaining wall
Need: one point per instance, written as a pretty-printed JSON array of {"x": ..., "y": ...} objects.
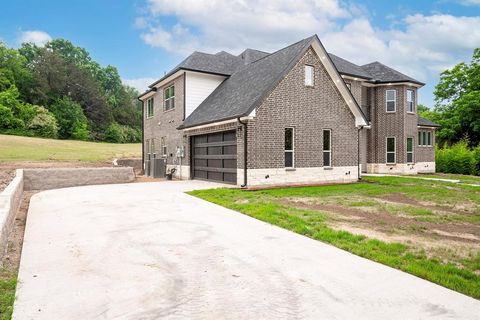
[
  {"x": 135, "y": 163},
  {"x": 46, "y": 179},
  {"x": 10, "y": 200}
]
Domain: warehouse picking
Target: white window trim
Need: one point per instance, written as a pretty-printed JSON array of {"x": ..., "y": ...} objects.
[
  {"x": 309, "y": 67},
  {"x": 424, "y": 142},
  {"x": 394, "y": 150},
  {"x": 165, "y": 100},
  {"x": 330, "y": 150},
  {"x": 394, "y": 101},
  {"x": 349, "y": 85},
  {"x": 293, "y": 148},
  {"x": 413, "y": 101},
  {"x": 163, "y": 147},
  {"x": 148, "y": 116},
  {"x": 412, "y": 152}
]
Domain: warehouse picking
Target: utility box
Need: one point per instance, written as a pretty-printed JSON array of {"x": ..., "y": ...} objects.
[{"x": 159, "y": 168}]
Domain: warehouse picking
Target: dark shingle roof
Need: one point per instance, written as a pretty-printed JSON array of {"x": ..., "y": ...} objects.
[
  {"x": 348, "y": 68},
  {"x": 243, "y": 90},
  {"x": 426, "y": 123},
  {"x": 380, "y": 73},
  {"x": 222, "y": 63},
  {"x": 251, "y": 55}
]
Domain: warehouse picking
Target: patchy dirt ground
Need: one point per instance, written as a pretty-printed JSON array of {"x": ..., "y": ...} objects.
[{"x": 397, "y": 218}]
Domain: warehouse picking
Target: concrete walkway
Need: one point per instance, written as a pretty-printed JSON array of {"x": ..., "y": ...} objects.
[{"x": 150, "y": 251}]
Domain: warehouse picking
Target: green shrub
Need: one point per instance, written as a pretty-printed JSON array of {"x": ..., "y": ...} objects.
[
  {"x": 43, "y": 123},
  {"x": 457, "y": 159},
  {"x": 71, "y": 120},
  {"x": 121, "y": 134},
  {"x": 7, "y": 119},
  {"x": 476, "y": 155}
]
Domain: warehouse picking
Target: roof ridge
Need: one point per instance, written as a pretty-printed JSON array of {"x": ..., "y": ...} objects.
[{"x": 280, "y": 50}]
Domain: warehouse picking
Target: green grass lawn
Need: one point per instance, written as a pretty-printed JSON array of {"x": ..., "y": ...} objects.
[
  {"x": 8, "y": 282},
  {"x": 17, "y": 148},
  {"x": 408, "y": 209}
]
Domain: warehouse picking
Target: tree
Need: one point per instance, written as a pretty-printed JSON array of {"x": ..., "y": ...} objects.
[
  {"x": 72, "y": 122},
  {"x": 457, "y": 98}
]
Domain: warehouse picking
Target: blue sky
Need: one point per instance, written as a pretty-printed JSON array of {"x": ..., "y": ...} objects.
[{"x": 145, "y": 38}]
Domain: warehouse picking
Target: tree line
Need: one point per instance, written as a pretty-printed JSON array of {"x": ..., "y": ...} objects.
[
  {"x": 457, "y": 104},
  {"x": 59, "y": 91}
]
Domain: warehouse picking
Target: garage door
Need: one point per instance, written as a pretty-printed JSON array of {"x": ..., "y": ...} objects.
[{"x": 215, "y": 156}]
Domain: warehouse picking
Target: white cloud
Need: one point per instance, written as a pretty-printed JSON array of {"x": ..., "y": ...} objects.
[
  {"x": 418, "y": 45},
  {"x": 470, "y": 2},
  {"x": 141, "y": 84},
  {"x": 34, "y": 36}
]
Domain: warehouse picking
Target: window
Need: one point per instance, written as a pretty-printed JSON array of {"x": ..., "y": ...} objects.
[
  {"x": 163, "y": 146},
  {"x": 349, "y": 86},
  {"x": 150, "y": 108},
  {"x": 289, "y": 145},
  {"x": 152, "y": 146},
  {"x": 425, "y": 138},
  {"x": 169, "y": 94},
  {"x": 391, "y": 100},
  {"x": 391, "y": 156},
  {"x": 410, "y": 107},
  {"x": 327, "y": 148},
  {"x": 309, "y": 76},
  {"x": 409, "y": 150}
]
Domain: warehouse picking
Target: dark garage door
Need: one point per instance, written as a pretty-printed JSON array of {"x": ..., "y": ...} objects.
[{"x": 215, "y": 156}]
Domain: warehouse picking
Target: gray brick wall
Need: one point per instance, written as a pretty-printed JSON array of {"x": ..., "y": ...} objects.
[
  {"x": 164, "y": 123},
  {"x": 309, "y": 110}
]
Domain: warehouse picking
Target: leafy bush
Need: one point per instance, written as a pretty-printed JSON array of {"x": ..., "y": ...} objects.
[
  {"x": 122, "y": 134},
  {"x": 43, "y": 123},
  {"x": 71, "y": 120},
  {"x": 457, "y": 159}
]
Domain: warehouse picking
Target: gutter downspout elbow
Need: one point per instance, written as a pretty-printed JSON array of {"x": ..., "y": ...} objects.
[{"x": 244, "y": 125}]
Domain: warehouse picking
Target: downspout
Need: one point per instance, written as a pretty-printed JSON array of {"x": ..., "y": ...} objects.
[
  {"x": 143, "y": 135},
  {"x": 359, "y": 177},
  {"x": 244, "y": 124}
]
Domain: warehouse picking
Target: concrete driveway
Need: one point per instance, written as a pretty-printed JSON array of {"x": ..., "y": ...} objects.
[{"x": 149, "y": 251}]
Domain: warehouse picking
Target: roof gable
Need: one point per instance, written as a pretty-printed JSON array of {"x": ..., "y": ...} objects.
[{"x": 244, "y": 90}]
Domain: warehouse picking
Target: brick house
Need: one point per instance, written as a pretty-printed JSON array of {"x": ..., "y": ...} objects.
[{"x": 298, "y": 115}]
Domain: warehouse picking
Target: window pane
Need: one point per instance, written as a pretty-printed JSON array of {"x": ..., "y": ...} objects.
[
  {"x": 390, "y": 105},
  {"x": 419, "y": 138},
  {"x": 409, "y": 95},
  {"x": 288, "y": 138},
  {"x": 424, "y": 138},
  {"x": 409, "y": 157},
  {"x": 390, "y": 95},
  {"x": 429, "y": 138},
  {"x": 326, "y": 159},
  {"x": 288, "y": 159},
  {"x": 409, "y": 144},
  {"x": 308, "y": 75},
  {"x": 390, "y": 157},
  {"x": 349, "y": 86},
  {"x": 390, "y": 144},
  {"x": 326, "y": 140}
]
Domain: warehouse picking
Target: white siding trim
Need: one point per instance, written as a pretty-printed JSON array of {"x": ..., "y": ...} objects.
[{"x": 198, "y": 86}]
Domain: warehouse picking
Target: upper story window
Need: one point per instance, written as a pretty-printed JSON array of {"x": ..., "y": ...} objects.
[
  {"x": 327, "y": 148},
  {"x": 410, "y": 103},
  {"x": 309, "y": 76},
  {"x": 425, "y": 138},
  {"x": 289, "y": 148},
  {"x": 169, "y": 96},
  {"x": 391, "y": 96},
  {"x": 391, "y": 150},
  {"x": 150, "y": 108}
]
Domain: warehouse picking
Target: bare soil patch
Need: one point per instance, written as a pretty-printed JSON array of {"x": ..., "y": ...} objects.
[{"x": 389, "y": 225}]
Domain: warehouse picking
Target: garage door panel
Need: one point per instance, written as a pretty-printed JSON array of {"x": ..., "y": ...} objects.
[
  {"x": 230, "y": 163},
  {"x": 215, "y": 156},
  {"x": 230, "y": 150}
]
